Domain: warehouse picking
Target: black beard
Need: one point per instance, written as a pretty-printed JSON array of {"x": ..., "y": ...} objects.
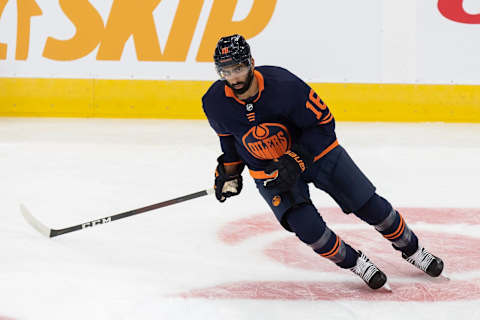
[{"x": 245, "y": 87}]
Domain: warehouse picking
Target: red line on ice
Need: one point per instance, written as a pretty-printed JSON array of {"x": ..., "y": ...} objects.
[
  {"x": 242, "y": 229},
  {"x": 460, "y": 253},
  {"x": 329, "y": 291}
]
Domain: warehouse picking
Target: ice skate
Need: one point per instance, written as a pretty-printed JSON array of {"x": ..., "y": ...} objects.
[
  {"x": 369, "y": 272},
  {"x": 425, "y": 261}
]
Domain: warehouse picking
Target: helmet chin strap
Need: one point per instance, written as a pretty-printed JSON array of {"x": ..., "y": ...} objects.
[{"x": 246, "y": 86}]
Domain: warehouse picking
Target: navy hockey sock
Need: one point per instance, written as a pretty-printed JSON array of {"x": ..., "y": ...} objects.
[
  {"x": 395, "y": 229},
  {"x": 375, "y": 210},
  {"x": 379, "y": 213},
  {"x": 310, "y": 228},
  {"x": 332, "y": 247}
]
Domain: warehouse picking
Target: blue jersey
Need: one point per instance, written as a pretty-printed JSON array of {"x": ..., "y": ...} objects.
[{"x": 285, "y": 111}]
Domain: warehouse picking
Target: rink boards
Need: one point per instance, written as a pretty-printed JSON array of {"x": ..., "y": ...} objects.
[{"x": 181, "y": 99}]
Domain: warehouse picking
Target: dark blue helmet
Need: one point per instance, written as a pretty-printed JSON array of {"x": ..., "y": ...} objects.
[{"x": 232, "y": 50}]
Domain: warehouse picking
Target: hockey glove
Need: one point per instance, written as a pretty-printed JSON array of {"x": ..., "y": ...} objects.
[
  {"x": 227, "y": 184},
  {"x": 287, "y": 168}
]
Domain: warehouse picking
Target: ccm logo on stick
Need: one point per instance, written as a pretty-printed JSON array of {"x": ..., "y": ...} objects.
[{"x": 94, "y": 223}]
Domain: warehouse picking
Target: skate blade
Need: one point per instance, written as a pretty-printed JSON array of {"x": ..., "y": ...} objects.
[
  {"x": 387, "y": 287},
  {"x": 445, "y": 276}
]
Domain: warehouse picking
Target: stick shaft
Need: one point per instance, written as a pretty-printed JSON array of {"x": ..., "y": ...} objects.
[{"x": 56, "y": 232}]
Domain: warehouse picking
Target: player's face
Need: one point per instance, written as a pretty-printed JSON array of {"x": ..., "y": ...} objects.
[{"x": 236, "y": 75}]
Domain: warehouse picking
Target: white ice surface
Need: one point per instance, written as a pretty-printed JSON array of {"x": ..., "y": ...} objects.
[{"x": 69, "y": 171}]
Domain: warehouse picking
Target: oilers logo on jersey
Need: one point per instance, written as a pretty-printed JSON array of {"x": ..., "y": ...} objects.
[{"x": 267, "y": 141}]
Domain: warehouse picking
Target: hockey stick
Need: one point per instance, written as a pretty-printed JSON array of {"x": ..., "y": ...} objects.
[{"x": 50, "y": 233}]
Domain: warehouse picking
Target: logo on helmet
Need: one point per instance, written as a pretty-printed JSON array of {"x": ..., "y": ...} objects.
[{"x": 232, "y": 50}]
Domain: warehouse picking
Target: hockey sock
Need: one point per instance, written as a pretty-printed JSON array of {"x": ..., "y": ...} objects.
[
  {"x": 375, "y": 210},
  {"x": 380, "y": 213},
  {"x": 332, "y": 247},
  {"x": 395, "y": 229},
  {"x": 310, "y": 228}
]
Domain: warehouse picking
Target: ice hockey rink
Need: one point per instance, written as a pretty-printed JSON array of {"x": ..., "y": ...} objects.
[{"x": 204, "y": 260}]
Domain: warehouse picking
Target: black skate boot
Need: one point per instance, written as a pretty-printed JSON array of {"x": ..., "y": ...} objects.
[
  {"x": 369, "y": 272},
  {"x": 425, "y": 261}
]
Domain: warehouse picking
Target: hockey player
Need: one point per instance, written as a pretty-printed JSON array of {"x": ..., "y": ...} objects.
[{"x": 274, "y": 123}]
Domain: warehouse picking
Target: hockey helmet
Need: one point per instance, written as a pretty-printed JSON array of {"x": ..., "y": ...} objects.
[{"x": 232, "y": 50}]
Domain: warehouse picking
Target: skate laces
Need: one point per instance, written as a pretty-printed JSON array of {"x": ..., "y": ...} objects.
[
  {"x": 364, "y": 268},
  {"x": 421, "y": 259}
]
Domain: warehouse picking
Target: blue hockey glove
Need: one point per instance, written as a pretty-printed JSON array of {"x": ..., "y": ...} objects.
[
  {"x": 287, "y": 168},
  {"x": 227, "y": 184}
]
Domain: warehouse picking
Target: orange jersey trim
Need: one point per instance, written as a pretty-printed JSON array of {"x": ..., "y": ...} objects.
[
  {"x": 224, "y": 134},
  {"x": 259, "y": 175},
  {"x": 261, "y": 86},
  {"x": 229, "y": 93},
  {"x": 327, "y": 150},
  {"x": 232, "y": 163}
]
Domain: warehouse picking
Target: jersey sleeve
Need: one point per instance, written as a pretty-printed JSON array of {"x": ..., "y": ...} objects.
[
  {"x": 227, "y": 140},
  {"x": 227, "y": 143},
  {"x": 309, "y": 110},
  {"x": 313, "y": 117}
]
